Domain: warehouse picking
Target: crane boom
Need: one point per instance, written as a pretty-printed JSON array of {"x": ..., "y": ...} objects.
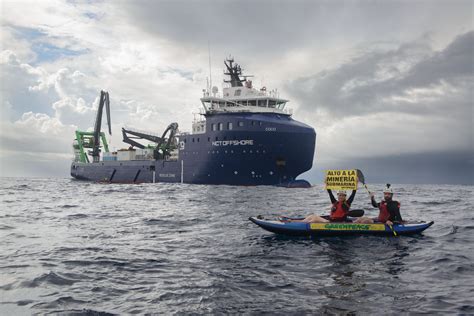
[{"x": 104, "y": 100}]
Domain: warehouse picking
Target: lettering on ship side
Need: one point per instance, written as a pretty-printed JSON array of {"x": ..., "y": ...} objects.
[
  {"x": 243, "y": 142},
  {"x": 166, "y": 175}
]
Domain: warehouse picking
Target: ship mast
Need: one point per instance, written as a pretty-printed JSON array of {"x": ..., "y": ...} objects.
[{"x": 234, "y": 71}]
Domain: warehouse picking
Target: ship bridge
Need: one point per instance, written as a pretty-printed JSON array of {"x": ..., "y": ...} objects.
[
  {"x": 256, "y": 104},
  {"x": 241, "y": 96}
]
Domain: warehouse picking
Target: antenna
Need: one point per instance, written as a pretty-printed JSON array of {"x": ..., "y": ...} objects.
[{"x": 210, "y": 70}]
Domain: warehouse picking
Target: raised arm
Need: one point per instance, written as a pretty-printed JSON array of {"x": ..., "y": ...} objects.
[
  {"x": 331, "y": 196},
  {"x": 372, "y": 199},
  {"x": 351, "y": 198}
]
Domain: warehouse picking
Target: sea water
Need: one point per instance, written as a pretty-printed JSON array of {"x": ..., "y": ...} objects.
[{"x": 86, "y": 248}]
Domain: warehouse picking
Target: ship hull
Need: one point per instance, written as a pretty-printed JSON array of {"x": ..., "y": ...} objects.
[{"x": 267, "y": 150}]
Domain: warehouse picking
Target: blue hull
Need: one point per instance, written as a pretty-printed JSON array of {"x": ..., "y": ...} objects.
[
  {"x": 338, "y": 229},
  {"x": 268, "y": 149}
]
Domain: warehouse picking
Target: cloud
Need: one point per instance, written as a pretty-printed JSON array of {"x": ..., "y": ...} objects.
[
  {"x": 273, "y": 28},
  {"x": 434, "y": 167},
  {"x": 410, "y": 79},
  {"x": 74, "y": 111},
  {"x": 380, "y": 134},
  {"x": 26, "y": 88},
  {"x": 393, "y": 102},
  {"x": 36, "y": 145},
  {"x": 17, "y": 95},
  {"x": 36, "y": 133}
]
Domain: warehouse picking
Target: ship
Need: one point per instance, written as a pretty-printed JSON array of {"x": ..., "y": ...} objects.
[{"x": 244, "y": 136}]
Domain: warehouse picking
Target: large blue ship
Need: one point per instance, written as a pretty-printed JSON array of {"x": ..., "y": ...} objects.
[{"x": 245, "y": 136}]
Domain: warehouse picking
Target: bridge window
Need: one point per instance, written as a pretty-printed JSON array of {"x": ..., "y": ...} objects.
[
  {"x": 262, "y": 103},
  {"x": 241, "y": 123},
  {"x": 237, "y": 92},
  {"x": 229, "y": 126},
  {"x": 281, "y": 106},
  {"x": 253, "y": 102},
  {"x": 213, "y": 126},
  {"x": 221, "y": 126}
]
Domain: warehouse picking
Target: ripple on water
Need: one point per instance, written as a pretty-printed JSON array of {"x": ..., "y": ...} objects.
[
  {"x": 77, "y": 216},
  {"x": 69, "y": 205},
  {"x": 49, "y": 278}
]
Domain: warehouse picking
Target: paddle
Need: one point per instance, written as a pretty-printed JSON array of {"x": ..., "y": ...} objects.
[
  {"x": 361, "y": 178},
  {"x": 393, "y": 231},
  {"x": 356, "y": 213},
  {"x": 391, "y": 228}
]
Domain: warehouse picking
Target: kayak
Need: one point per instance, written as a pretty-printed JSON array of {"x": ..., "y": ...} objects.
[{"x": 339, "y": 228}]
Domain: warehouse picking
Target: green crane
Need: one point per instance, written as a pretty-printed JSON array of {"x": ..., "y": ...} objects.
[{"x": 92, "y": 139}]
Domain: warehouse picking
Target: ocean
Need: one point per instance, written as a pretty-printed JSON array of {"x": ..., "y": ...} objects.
[{"x": 81, "y": 248}]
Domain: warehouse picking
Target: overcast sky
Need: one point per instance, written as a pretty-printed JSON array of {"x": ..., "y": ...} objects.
[{"x": 388, "y": 85}]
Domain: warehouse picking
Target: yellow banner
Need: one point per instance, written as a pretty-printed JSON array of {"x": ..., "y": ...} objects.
[
  {"x": 341, "y": 179},
  {"x": 347, "y": 226}
]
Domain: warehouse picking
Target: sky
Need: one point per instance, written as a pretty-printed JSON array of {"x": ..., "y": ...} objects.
[{"x": 387, "y": 85}]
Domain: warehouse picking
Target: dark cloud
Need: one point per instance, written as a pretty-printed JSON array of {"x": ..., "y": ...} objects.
[
  {"x": 274, "y": 27},
  {"x": 435, "y": 167},
  {"x": 388, "y": 81},
  {"x": 240, "y": 26},
  {"x": 454, "y": 63}
]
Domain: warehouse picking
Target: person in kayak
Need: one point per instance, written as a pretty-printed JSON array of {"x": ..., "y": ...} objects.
[
  {"x": 389, "y": 209},
  {"x": 339, "y": 210}
]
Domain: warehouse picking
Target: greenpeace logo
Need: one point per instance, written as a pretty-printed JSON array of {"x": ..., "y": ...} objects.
[
  {"x": 243, "y": 142},
  {"x": 347, "y": 226}
]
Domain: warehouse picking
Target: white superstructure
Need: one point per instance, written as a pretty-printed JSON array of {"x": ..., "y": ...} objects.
[{"x": 241, "y": 96}]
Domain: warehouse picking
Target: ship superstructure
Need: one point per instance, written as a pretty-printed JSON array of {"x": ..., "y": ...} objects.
[{"x": 245, "y": 136}]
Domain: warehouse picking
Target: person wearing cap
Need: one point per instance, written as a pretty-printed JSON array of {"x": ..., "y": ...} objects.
[
  {"x": 389, "y": 209},
  {"x": 339, "y": 210}
]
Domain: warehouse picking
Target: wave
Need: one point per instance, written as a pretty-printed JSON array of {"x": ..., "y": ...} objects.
[{"x": 49, "y": 278}]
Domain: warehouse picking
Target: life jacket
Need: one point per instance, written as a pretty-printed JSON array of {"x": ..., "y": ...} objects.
[
  {"x": 384, "y": 214},
  {"x": 339, "y": 210}
]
